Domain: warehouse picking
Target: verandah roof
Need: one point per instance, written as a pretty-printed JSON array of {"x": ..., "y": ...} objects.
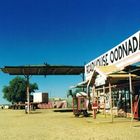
[{"x": 43, "y": 70}]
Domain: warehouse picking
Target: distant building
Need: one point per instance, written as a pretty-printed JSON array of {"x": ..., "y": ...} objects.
[{"x": 4, "y": 106}]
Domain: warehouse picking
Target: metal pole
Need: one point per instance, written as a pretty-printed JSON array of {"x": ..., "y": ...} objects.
[
  {"x": 88, "y": 93},
  {"x": 28, "y": 95},
  {"x": 104, "y": 101},
  {"x": 83, "y": 78},
  {"x": 131, "y": 91},
  {"x": 93, "y": 93},
  {"x": 110, "y": 101}
]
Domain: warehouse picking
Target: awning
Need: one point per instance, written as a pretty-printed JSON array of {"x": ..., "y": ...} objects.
[
  {"x": 84, "y": 83},
  {"x": 43, "y": 70},
  {"x": 105, "y": 70},
  {"x": 101, "y": 73},
  {"x": 122, "y": 76},
  {"x": 81, "y": 94},
  {"x": 80, "y": 85}
]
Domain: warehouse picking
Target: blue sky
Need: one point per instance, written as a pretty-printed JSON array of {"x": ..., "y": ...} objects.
[{"x": 62, "y": 32}]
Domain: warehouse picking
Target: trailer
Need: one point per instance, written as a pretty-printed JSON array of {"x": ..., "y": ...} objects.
[{"x": 80, "y": 104}]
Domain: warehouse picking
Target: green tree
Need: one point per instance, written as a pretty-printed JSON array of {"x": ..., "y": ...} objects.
[{"x": 16, "y": 90}]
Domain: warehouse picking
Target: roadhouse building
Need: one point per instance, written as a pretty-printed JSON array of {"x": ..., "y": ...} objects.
[{"x": 114, "y": 79}]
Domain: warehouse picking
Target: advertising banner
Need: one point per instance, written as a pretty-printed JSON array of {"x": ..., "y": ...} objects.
[{"x": 122, "y": 55}]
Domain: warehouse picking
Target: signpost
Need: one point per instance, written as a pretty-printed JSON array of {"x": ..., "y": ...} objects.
[{"x": 122, "y": 55}]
